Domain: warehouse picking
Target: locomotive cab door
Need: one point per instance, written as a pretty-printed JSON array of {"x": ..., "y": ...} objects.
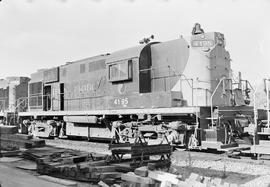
[
  {"x": 47, "y": 98},
  {"x": 145, "y": 63},
  {"x": 62, "y": 96}
]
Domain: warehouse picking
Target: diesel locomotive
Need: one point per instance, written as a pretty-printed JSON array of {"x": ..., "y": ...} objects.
[{"x": 183, "y": 88}]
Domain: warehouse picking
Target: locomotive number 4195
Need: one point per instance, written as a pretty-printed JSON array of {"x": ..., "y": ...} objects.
[{"x": 121, "y": 102}]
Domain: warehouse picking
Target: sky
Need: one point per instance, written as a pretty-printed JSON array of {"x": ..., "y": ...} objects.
[{"x": 36, "y": 34}]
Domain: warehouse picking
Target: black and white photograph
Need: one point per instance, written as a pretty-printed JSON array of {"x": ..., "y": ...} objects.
[{"x": 134, "y": 93}]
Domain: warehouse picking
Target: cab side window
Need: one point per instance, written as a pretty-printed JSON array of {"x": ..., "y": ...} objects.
[{"x": 120, "y": 71}]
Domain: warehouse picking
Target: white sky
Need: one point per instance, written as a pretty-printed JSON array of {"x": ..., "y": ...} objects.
[{"x": 37, "y": 34}]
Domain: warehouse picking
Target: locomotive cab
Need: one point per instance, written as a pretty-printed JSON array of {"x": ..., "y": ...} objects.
[
  {"x": 129, "y": 76},
  {"x": 143, "y": 76}
]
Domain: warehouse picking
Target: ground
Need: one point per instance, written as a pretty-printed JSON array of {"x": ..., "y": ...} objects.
[
  {"x": 244, "y": 171},
  {"x": 12, "y": 177}
]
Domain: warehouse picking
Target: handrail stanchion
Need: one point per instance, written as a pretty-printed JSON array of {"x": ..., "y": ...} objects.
[
  {"x": 255, "y": 115},
  {"x": 267, "y": 81},
  {"x": 192, "y": 92}
]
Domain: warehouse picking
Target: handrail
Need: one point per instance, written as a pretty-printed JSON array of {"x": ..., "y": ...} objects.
[
  {"x": 267, "y": 100},
  {"x": 3, "y": 105},
  {"x": 250, "y": 85},
  {"x": 23, "y": 99},
  {"x": 172, "y": 75},
  {"x": 177, "y": 75},
  {"x": 169, "y": 67},
  {"x": 211, "y": 99}
]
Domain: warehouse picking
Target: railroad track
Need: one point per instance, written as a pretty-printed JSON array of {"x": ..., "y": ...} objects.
[{"x": 102, "y": 147}]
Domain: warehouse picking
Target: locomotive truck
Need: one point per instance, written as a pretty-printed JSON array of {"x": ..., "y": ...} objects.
[{"x": 183, "y": 88}]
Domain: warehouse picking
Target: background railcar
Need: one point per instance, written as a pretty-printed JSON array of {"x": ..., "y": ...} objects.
[{"x": 13, "y": 92}]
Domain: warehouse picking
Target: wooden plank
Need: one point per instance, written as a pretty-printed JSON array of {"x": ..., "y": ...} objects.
[
  {"x": 131, "y": 177},
  {"x": 173, "y": 170},
  {"x": 183, "y": 184},
  {"x": 37, "y": 142},
  {"x": 119, "y": 145},
  {"x": 141, "y": 171},
  {"x": 193, "y": 177},
  {"x": 74, "y": 159},
  {"x": 32, "y": 167},
  {"x": 17, "y": 136},
  {"x": 123, "y": 167},
  {"x": 83, "y": 167},
  {"x": 10, "y": 153},
  {"x": 216, "y": 181},
  {"x": 110, "y": 175},
  {"x": 149, "y": 150},
  {"x": 225, "y": 146},
  {"x": 196, "y": 183},
  {"x": 159, "y": 164},
  {"x": 260, "y": 149},
  {"x": 206, "y": 180},
  {"x": 98, "y": 156},
  {"x": 211, "y": 144},
  {"x": 102, "y": 184},
  {"x": 10, "y": 159},
  {"x": 58, "y": 181},
  {"x": 19, "y": 143},
  {"x": 165, "y": 184},
  {"x": 41, "y": 152},
  {"x": 240, "y": 148},
  {"x": 163, "y": 176},
  {"x": 111, "y": 181},
  {"x": 6, "y": 129},
  {"x": 23, "y": 143},
  {"x": 102, "y": 169},
  {"x": 133, "y": 184},
  {"x": 98, "y": 163}
]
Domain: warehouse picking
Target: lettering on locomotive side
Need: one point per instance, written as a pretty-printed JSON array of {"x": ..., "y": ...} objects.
[{"x": 85, "y": 87}]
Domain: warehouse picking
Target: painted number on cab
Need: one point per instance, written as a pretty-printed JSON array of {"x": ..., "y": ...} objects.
[{"x": 121, "y": 102}]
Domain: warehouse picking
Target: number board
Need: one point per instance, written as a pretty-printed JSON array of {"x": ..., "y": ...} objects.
[{"x": 202, "y": 43}]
